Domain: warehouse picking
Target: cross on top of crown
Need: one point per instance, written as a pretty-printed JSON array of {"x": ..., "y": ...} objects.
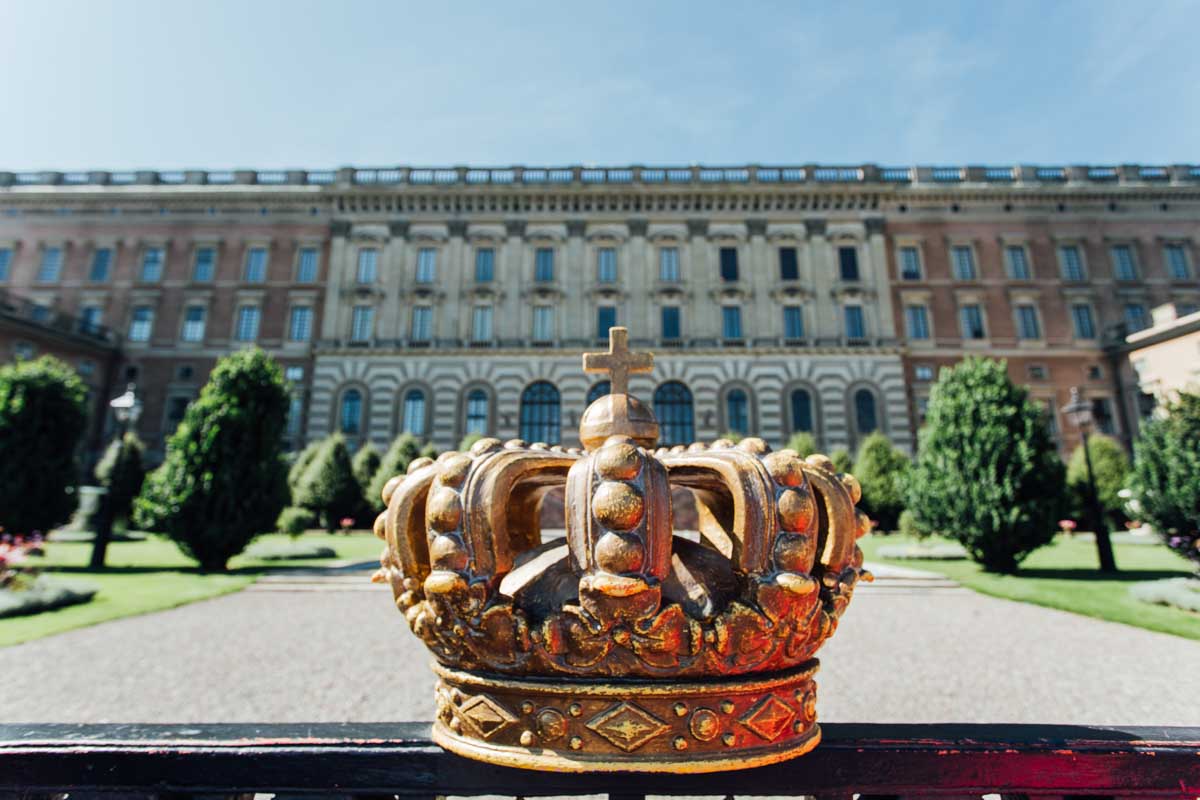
[{"x": 619, "y": 362}]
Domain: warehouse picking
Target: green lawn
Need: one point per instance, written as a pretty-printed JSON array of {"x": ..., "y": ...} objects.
[
  {"x": 152, "y": 575},
  {"x": 1064, "y": 575}
]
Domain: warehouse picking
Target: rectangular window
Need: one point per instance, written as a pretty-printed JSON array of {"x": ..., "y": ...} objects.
[
  {"x": 362, "y": 323},
  {"x": 793, "y": 322},
  {"x": 101, "y": 265},
  {"x": 5, "y": 263},
  {"x": 426, "y": 265},
  {"x": 668, "y": 264},
  {"x": 89, "y": 319},
  {"x": 1103, "y": 414},
  {"x": 300, "y": 324},
  {"x": 964, "y": 262},
  {"x": 206, "y": 264},
  {"x": 1028, "y": 326},
  {"x": 256, "y": 265},
  {"x": 1135, "y": 317},
  {"x": 848, "y": 263},
  {"x": 422, "y": 323},
  {"x": 1052, "y": 419},
  {"x": 1123, "y": 267},
  {"x": 789, "y": 267},
  {"x": 910, "y": 263},
  {"x": 731, "y": 322},
  {"x": 306, "y": 266},
  {"x": 152, "y": 264},
  {"x": 481, "y": 324},
  {"x": 543, "y": 265},
  {"x": 50, "y": 269},
  {"x": 923, "y": 372},
  {"x": 606, "y": 265},
  {"x": 671, "y": 328},
  {"x": 1071, "y": 261},
  {"x": 856, "y": 326},
  {"x": 1177, "y": 262},
  {"x": 606, "y": 317},
  {"x": 485, "y": 265},
  {"x": 1081, "y": 317},
  {"x": 971, "y": 318},
  {"x": 543, "y": 323},
  {"x": 295, "y": 417},
  {"x": 916, "y": 319},
  {"x": 141, "y": 324},
  {"x": 1037, "y": 372},
  {"x": 193, "y": 324},
  {"x": 247, "y": 323},
  {"x": 729, "y": 264},
  {"x": 368, "y": 265},
  {"x": 1018, "y": 264}
]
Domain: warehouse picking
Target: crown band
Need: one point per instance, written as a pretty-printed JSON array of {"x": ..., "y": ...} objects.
[{"x": 638, "y": 726}]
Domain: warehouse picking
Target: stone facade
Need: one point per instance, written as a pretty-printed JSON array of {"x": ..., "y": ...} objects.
[{"x": 448, "y": 301}]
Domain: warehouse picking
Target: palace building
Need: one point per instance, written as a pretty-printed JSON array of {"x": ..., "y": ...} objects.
[{"x": 446, "y": 302}]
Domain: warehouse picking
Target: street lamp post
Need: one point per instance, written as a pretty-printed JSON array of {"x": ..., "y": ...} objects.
[
  {"x": 126, "y": 409},
  {"x": 1079, "y": 414}
]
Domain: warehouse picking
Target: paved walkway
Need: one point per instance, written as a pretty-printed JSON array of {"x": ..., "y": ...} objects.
[{"x": 909, "y": 649}]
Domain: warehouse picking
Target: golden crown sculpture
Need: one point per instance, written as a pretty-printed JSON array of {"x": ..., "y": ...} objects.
[{"x": 623, "y": 646}]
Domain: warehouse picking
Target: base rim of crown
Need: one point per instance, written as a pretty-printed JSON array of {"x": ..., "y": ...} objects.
[{"x": 620, "y": 725}]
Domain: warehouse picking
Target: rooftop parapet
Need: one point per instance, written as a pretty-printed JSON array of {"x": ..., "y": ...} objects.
[{"x": 807, "y": 174}]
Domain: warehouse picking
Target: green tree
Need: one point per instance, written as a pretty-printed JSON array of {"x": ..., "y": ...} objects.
[
  {"x": 842, "y": 460},
  {"x": 987, "y": 471},
  {"x": 803, "y": 443},
  {"x": 301, "y": 462},
  {"x": 1166, "y": 475},
  {"x": 880, "y": 470},
  {"x": 366, "y": 463},
  {"x": 43, "y": 416},
  {"x": 121, "y": 471},
  {"x": 731, "y": 436},
  {"x": 1110, "y": 466},
  {"x": 224, "y": 480},
  {"x": 429, "y": 450},
  {"x": 328, "y": 487},
  {"x": 294, "y": 521},
  {"x": 402, "y": 452},
  {"x": 467, "y": 441}
]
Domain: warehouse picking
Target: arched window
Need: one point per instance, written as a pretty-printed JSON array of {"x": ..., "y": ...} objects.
[
  {"x": 737, "y": 412},
  {"x": 866, "y": 418},
  {"x": 801, "y": 408},
  {"x": 414, "y": 413},
  {"x": 540, "y": 413},
  {"x": 598, "y": 390},
  {"x": 350, "y": 419},
  {"x": 477, "y": 413},
  {"x": 673, "y": 407}
]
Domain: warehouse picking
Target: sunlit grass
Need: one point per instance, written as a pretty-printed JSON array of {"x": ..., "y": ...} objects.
[
  {"x": 1065, "y": 575},
  {"x": 151, "y": 575}
]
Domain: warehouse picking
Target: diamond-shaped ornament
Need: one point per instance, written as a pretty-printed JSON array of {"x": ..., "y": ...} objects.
[
  {"x": 485, "y": 715},
  {"x": 627, "y": 726},
  {"x": 769, "y": 718}
]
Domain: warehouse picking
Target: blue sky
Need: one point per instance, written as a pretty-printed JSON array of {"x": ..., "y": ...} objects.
[{"x": 175, "y": 84}]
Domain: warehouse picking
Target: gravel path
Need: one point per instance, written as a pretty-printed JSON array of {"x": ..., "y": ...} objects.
[{"x": 907, "y": 651}]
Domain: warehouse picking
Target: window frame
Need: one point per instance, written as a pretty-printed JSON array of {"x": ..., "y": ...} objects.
[
  {"x": 254, "y": 270},
  {"x": 238, "y": 321},
  {"x": 292, "y": 310},
  {"x": 366, "y": 266},
  {"x": 187, "y": 326}
]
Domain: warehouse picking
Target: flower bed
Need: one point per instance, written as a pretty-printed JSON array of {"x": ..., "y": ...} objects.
[
  {"x": 922, "y": 552},
  {"x": 43, "y": 594},
  {"x": 1177, "y": 592}
]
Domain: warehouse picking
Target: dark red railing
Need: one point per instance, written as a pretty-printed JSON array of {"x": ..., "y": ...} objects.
[{"x": 379, "y": 760}]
